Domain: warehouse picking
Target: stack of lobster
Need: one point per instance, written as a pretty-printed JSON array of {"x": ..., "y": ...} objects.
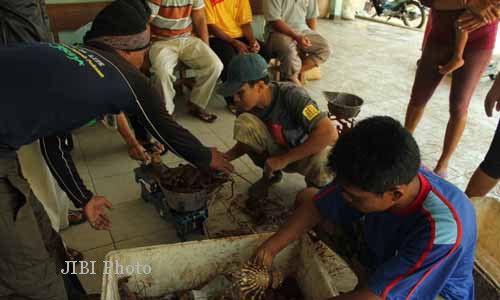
[{"x": 186, "y": 178}]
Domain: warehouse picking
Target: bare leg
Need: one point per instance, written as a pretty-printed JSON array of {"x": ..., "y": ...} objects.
[
  {"x": 463, "y": 85},
  {"x": 454, "y": 131},
  {"x": 307, "y": 64},
  {"x": 414, "y": 114},
  {"x": 238, "y": 150},
  {"x": 304, "y": 195},
  {"x": 480, "y": 184},
  {"x": 295, "y": 79},
  {"x": 487, "y": 174},
  {"x": 427, "y": 79},
  {"x": 457, "y": 61}
]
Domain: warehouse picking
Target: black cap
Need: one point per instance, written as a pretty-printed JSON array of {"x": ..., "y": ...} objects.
[{"x": 120, "y": 18}]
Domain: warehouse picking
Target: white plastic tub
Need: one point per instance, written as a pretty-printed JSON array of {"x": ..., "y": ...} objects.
[
  {"x": 186, "y": 266},
  {"x": 487, "y": 263}
]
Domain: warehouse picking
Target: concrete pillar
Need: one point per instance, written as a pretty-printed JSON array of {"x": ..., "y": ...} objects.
[{"x": 336, "y": 8}]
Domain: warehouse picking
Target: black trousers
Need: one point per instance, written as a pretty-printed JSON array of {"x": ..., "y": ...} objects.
[
  {"x": 226, "y": 52},
  {"x": 491, "y": 163}
]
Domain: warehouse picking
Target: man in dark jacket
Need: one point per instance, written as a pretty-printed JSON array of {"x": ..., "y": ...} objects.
[{"x": 49, "y": 90}]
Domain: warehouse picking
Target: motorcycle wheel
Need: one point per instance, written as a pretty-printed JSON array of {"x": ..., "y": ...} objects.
[{"x": 413, "y": 14}]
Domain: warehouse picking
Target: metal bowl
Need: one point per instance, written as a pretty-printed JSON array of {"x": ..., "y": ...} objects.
[
  {"x": 343, "y": 105},
  {"x": 188, "y": 202}
]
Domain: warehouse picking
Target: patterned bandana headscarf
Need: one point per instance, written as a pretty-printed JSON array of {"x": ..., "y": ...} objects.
[
  {"x": 132, "y": 42},
  {"x": 122, "y": 25}
]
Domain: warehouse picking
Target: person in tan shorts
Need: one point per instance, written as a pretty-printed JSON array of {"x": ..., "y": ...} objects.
[
  {"x": 291, "y": 35},
  {"x": 281, "y": 128}
]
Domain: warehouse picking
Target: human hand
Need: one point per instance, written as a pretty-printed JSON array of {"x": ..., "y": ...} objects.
[
  {"x": 138, "y": 152},
  {"x": 254, "y": 46},
  {"x": 470, "y": 22},
  {"x": 220, "y": 162},
  {"x": 263, "y": 257},
  {"x": 95, "y": 211},
  {"x": 274, "y": 164},
  {"x": 483, "y": 9},
  {"x": 155, "y": 147},
  {"x": 240, "y": 46},
  {"x": 493, "y": 98},
  {"x": 303, "y": 42}
]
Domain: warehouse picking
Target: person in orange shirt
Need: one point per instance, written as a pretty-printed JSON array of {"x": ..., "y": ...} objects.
[{"x": 229, "y": 24}]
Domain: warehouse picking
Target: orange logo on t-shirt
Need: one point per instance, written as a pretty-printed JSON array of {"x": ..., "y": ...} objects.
[{"x": 215, "y": 2}]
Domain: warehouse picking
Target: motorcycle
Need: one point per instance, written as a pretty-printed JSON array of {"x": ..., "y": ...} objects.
[{"x": 411, "y": 12}]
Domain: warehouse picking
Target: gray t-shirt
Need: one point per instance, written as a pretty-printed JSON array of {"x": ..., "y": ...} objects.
[
  {"x": 292, "y": 115},
  {"x": 293, "y": 12}
]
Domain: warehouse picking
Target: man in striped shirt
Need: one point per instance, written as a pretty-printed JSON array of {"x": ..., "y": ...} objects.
[
  {"x": 406, "y": 233},
  {"x": 172, "y": 26}
]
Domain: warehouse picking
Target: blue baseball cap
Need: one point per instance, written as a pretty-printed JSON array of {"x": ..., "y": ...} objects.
[{"x": 242, "y": 69}]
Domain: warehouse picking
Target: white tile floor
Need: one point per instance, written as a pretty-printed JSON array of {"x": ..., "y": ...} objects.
[{"x": 371, "y": 60}]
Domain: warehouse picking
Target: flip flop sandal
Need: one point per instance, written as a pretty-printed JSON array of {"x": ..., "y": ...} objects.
[
  {"x": 74, "y": 255},
  {"x": 76, "y": 217},
  {"x": 232, "y": 109},
  {"x": 204, "y": 116}
]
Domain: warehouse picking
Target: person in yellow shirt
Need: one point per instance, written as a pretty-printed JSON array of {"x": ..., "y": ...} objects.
[{"x": 229, "y": 24}]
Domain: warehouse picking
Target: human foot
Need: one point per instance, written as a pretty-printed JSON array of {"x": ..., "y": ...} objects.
[
  {"x": 454, "y": 64},
  {"x": 232, "y": 109},
  {"x": 295, "y": 79},
  {"x": 260, "y": 188},
  {"x": 441, "y": 171},
  {"x": 201, "y": 114}
]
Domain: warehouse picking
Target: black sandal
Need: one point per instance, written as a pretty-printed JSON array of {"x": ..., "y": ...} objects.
[
  {"x": 203, "y": 115},
  {"x": 73, "y": 255},
  {"x": 232, "y": 109}
]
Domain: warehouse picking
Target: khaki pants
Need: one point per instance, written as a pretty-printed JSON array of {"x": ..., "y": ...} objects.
[
  {"x": 197, "y": 55},
  {"x": 289, "y": 53},
  {"x": 32, "y": 253},
  {"x": 251, "y": 131}
]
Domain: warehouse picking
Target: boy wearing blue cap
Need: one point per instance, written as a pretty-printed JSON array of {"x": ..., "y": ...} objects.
[{"x": 281, "y": 128}]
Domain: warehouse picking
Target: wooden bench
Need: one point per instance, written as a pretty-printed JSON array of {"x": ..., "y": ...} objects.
[{"x": 71, "y": 16}]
